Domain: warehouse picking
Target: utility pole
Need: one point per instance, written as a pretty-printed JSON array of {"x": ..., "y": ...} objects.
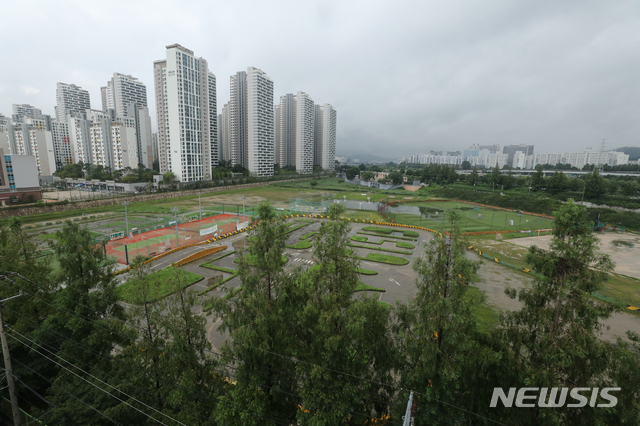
[
  {"x": 243, "y": 213},
  {"x": 408, "y": 414},
  {"x": 175, "y": 219},
  {"x": 17, "y": 415},
  {"x": 200, "y": 204},
  {"x": 126, "y": 218}
]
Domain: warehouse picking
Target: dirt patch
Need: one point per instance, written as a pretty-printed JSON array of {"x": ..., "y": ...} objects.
[
  {"x": 493, "y": 281},
  {"x": 625, "y": 256}
]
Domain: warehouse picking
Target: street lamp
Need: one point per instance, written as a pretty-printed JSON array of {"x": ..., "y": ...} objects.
[
  {"x": 243, "y": 213},
  {"x": 126, "y": 218},
  {"x": 200, "y": 204},
  {"x": 175, "y": 219}
]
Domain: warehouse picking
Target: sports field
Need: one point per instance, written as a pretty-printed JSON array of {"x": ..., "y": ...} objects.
[
  {"x": 160, "y": 240},
  {"x": 432, "y": 214}
]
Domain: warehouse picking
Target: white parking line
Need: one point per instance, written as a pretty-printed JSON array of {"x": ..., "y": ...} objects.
[{"x": 391, "y": 279}]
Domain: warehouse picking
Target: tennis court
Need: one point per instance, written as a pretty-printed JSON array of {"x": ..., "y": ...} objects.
[{"x": 173, "y": 235}]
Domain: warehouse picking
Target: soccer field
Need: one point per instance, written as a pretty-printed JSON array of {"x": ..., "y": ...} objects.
[{"x": 473, "y": 218}]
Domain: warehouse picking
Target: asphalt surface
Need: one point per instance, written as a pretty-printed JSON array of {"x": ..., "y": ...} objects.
[{"x": 397, "y": 281}]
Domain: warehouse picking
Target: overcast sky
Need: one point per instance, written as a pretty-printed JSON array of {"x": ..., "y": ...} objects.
[{"x": 405, "y": 77}]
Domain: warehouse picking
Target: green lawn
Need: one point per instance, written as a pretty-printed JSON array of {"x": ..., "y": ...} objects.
[
  {"x": 380, "y": 249},
  {"x": 389, "y": 231},
  {"x": 162, "y": 283},
  {"x": 366, "y": 271},
  {"x": 52, "y": 236},
  {"x": 219, "y": 268},
  {"x": 487, "y": 317},
  {"x": 299, "y": 245},
  {"x": 492, "y": 219},
  {"x": 386, "y": 236},
  {"x": 402, "y": 244},
  {"x": 383, "y": 258},
  {"x": 308, "y": 235},
  {"x": 365, "y": 287},
  {"x": 251, "y": 259}
]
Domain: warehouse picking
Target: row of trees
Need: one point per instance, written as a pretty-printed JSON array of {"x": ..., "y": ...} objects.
[
  {"x": 303, "y": 349},
  {"x": 90, "y": 171}
]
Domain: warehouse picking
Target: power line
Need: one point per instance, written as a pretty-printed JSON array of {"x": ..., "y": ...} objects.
[
  {"x": 284, "y": 356},
  {"x": 93, "y": 384},
  {"x": 75, "y": 397},
  {"x": 206, "y": 350}
]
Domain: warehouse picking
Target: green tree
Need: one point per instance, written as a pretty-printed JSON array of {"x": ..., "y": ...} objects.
[
  {"x": 553, "y": 341},
  {"x": 495, "y": 178},
  {"x": 86, "y": 313},
  {"x": 367, "y": 175},
  {"x": 473, "y": 177},
  {"x": 437, "y": 336},
  {"x": 558, "y": 182},
  {"x": 258, "y": 320},
  {"x": 395, "y": 178},
  {"x": 537, "y": 179},
  {"x": 168, "y": 178},
  {"x": 629, "y": 188},
  {"x": 466, "y": 165},
  {"x": 352, "y": 172},
  {"x": 508, "y": 181},
  {"x": 340, "y": 333},
  {"x": 165, "y": 362},
  {"x": 594, "y": 185}
]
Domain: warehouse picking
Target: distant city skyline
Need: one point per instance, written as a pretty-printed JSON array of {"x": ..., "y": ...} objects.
[{"x": 406, "y": 77}]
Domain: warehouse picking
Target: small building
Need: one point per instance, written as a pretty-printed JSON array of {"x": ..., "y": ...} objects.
[{"x": 19, "y": 181}]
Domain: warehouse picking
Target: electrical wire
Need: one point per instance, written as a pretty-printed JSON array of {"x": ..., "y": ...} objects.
[
  {"x": 75, "y": 397},
  {"x": 94, "y": 377},
  {"x": 301, "y": 361},
  {"x": 212, "y": 352}
]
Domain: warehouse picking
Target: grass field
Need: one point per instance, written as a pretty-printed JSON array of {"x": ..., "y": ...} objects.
[
  {"x": 491, "y": 219},
  {"x": 383, "y": 258},
  {"x": 161, "y": 284},
  {"x": 300, "y": 245}
]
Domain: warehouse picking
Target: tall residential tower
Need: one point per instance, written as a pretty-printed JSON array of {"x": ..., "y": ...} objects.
[{"x": 187, "y": 115}]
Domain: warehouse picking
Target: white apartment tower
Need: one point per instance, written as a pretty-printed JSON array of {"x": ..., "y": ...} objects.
[
  {"x": 304, "y": 132},
  {"x": 251, "y": 121},
  {"x": 224, "y": 129},
  {"x": 71, "y": 100},
  {"x": 325, "y": 136},
  {"x": 122, "y": 90},
  {"x": 187, "y": 116},
  {"x": 128, "y": 97},
  {"x": 285, "y": 122}
]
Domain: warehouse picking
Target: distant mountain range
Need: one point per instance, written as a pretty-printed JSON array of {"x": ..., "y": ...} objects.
[{"x": 633, "y": 151}]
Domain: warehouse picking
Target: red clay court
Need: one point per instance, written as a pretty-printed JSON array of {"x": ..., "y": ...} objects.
[{"x": 160, "y": 240}]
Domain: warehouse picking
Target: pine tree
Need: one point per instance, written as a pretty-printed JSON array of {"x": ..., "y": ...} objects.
[
  {"x": 553, "y": 341},
  {"x": 258, "y": 319},
  {"x": 437, "y": 337},
  {"x": 340, "y": 333}
]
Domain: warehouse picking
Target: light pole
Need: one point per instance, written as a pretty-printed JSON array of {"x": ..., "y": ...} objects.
[
  {"x": 17, "y": 415},
  {"x": 126, "y": 218},
  {"x": 243, "y": 214},
  {"x": 200, "y": 204},
  {"x": 175, "y": 219}
]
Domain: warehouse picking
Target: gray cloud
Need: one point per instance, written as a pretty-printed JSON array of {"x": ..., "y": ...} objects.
[{"x": 405, "y": 77}]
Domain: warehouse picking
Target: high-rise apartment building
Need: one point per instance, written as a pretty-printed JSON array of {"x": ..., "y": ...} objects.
[
  {"x": 510, "y": 150},
  {"x": 285, "y": 132},
  {"x": 29, "y": 139},
  {"x": 128, "y": 97},
  {"x": 24, "y": 110},
  {"x": 325, "y": 136},
  {"x": 121, "y": 91},
  {"x": 71, "y": 100},
  {"x": 187, "y": 116},
  {"x": 238, "y": 119},
  {"x": 61, "y": 144},
  {"x": 305, "y": 126},
  {"x": 251, "y": 121},
  {"x": 224, "y": 139}
]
